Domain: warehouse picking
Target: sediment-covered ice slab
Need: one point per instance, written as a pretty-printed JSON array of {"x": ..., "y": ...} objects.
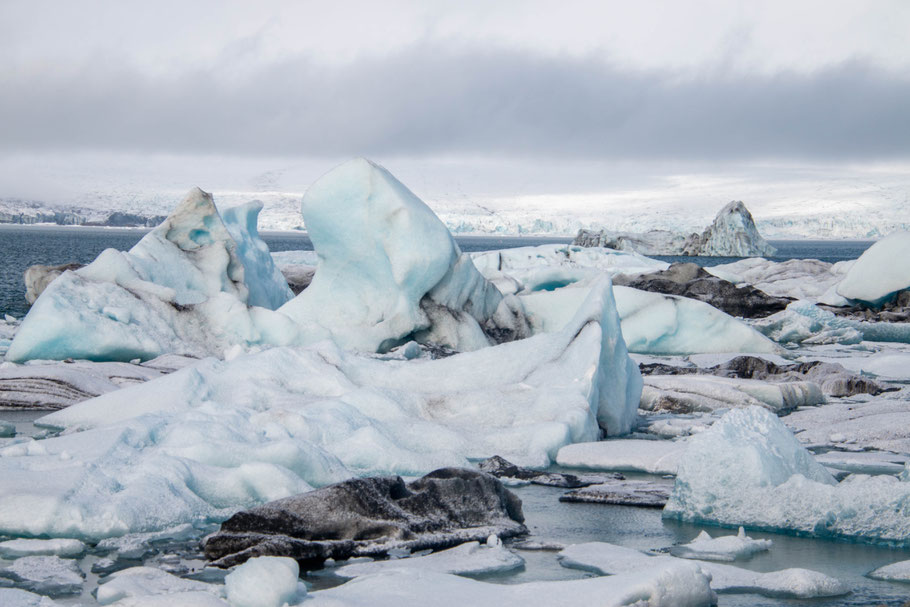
[{"x": 748, "y": 469}]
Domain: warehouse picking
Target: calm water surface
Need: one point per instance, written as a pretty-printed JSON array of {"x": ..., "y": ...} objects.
[{"x": 22, "y": 246}]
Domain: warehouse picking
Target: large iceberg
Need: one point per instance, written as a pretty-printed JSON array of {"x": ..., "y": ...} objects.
[
  {"x": 732, "y": 234},
  {"x": 880, "y": 272},
  {"x": 748, "y": 469},
  {"x": 389, "y": 271},
  {"x": 183, "y": 288},
  {"x": 196, "y": 445}
]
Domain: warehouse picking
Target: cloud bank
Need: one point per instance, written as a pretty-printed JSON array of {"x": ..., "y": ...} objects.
[{"x": 433, "y": 99}]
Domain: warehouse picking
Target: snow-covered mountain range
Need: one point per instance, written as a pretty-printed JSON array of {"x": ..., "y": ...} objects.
[{"x": 786, "y": 202}]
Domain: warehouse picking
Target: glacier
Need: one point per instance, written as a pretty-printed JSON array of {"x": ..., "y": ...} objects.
[{"x": 749, "y": 470}]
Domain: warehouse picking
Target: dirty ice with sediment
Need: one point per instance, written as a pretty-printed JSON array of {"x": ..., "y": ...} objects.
[{"x": 193, "y": 400}]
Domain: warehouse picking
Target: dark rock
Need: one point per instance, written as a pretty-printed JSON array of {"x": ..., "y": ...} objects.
[
  {"x": 503, "y": 468},
  {"x": 645, "y": 494},
  {"x": 369, "y": 517},
  {"x": 692, "y": 281},
  {"x": 832, "y": 378}
]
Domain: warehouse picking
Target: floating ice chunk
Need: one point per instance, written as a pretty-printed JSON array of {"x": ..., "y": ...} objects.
[
  {"x": 895, "y": 572},
  {"x": 707, "y": 393},
  {"x": 748, "y": 469},
  {"x": 145, "y": 581},
  {"x": 796, "y": 278},
  {"x": 723, "y": 548},
  {"x": 653, "y": 323},
  {"x": 805, "y": 323},
  {"x": 48, "y": 575},
  {"x": 679, "y": 585},
  {"x": 381, "y": 252},
  {"x": 470, "y": 558},
  {"x": 881, "y": 271},
  {"x": 14, "y": 597},
  {"x": 137, "y": 545},
  {"x": 12, "y": 549},
  {"x": 609, "y": 559},
  {"x": 627, "y": 455},
  {"x": 267, "y": 287},
  {"x": 265, "y": 581}
]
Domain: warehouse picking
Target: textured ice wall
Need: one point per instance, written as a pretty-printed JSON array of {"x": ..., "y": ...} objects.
[
  {"x": 748, "y": 469},
  {"x": 388, "y": 268}
]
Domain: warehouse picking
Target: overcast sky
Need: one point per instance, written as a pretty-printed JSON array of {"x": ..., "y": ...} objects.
[{"x": 707, "y": 80}]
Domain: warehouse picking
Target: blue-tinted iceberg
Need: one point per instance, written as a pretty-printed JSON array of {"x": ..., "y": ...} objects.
[
  {"x": 388, "y": 270},
  {"x": 804, "y": 323},
  {"x": 880, "y": 272},
  {"x": 183, "y": 288},
  {"x": 748, "y": 469}
]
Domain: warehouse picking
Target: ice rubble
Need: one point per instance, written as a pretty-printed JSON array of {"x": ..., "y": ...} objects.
[
  {"x": 388, "y": 269},
  {"x": 721, "y": 548},
  {"x": 206, "y": 440},
  {"x": 607, "y": 559},
  {"x": 471, "y": 558},
  {"x": 677, "y": 585},
  {"x": 805, "y": 323},
  {"x": 881, "y": 271},
  {"x": 748, "y": 469}
]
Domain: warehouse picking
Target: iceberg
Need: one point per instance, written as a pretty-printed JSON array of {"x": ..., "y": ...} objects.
[
  {"x": 183, "y": 289},
  {"x": 804, "y": 323},
  {"x": 209, "y": 439},
  {"x": 880, "y": 272},
  {"x": 749, "y": 470},
  {"x": 389, "y": 271},
  {"x": 732, "y": 234}
]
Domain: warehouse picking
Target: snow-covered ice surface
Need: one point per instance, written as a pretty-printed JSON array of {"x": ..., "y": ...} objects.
[
  {"x": 879, "y": 272},
  {"x": 624, "y": 455},
  {"x": 210, "y": 439},
  {"x": 797, "y": 278},
  {"x": 471, "y": 558},
  {"x": 748, "y": 469},
  {"x": 674, "y": 585},
  {"x": 895, "y": 572},
  {"x": 721, "y": 548},
  {"x": 608, "y": 559}
]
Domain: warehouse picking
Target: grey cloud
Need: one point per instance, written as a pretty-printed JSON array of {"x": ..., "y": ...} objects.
[{"x": 430, "y": 99}]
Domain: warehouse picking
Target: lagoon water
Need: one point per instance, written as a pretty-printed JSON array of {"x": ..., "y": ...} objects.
[{"x": 22, "y": 246}]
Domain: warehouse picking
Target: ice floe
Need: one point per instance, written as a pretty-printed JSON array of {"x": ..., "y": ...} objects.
[
  {"x": 626, "y": 455},
  {"x": 707, "y": 393},
  {"x": 895, "y": 572},
  {"x": 12, "y": 549},
  {"x": 145, "y": 581},
  {"x": 609, "y": 559},
  {"x": 721, "y": 548},
  {"x": 678, "y": 585},
  {"x": 50, "y": 575},
  {"x": 470, "y": 558},
  {"x": 748, "y": 469}
]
